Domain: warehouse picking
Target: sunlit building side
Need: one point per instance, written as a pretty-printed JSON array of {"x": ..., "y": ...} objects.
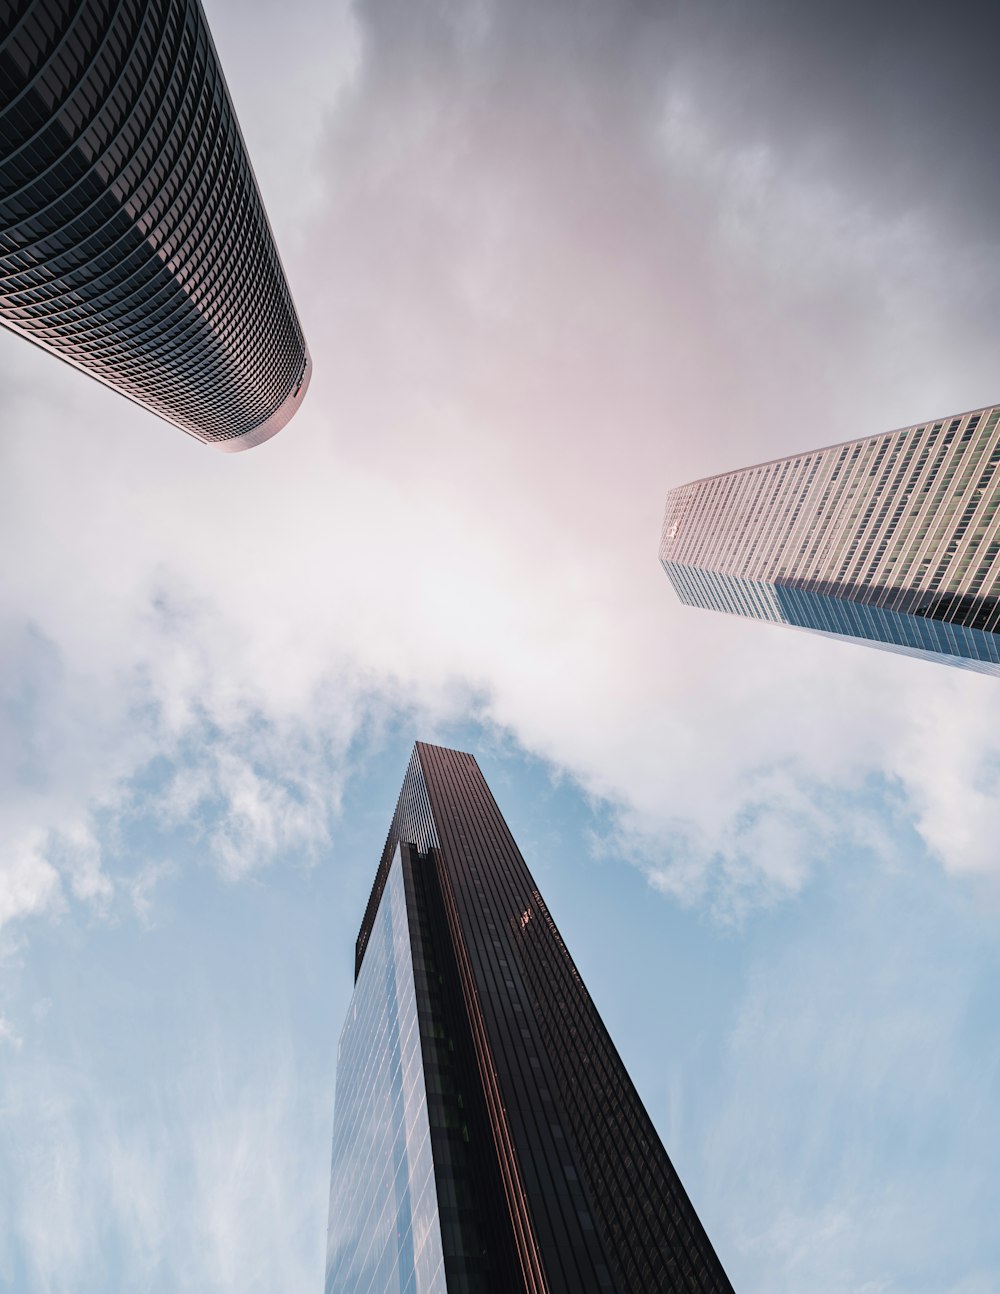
[{"x": 893, "y": 540}]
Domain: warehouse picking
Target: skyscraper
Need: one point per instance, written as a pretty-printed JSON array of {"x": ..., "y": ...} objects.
[
  {"x": 487, "y": 1138},
  {"x": 893, "y": 540},
  {"x": 133, "y": 239}
]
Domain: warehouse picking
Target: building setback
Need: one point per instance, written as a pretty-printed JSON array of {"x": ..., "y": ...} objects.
[
  {"x": 487, "y": 1137},
  {"x": 893, "y": 540},
  {"x": 133, "y": 240}
]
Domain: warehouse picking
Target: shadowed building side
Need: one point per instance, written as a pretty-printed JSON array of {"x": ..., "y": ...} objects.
[
  {"x": 893, "y": 540},
  {"x": 133, "y": 241}
]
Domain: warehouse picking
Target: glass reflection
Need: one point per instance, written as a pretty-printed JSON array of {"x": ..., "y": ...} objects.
[{"x": 384, "y": 1234}]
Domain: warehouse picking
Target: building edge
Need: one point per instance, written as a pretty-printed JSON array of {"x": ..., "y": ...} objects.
[
  {"x": 281, "y": 417},
  {"x": 823, "y": 449}
]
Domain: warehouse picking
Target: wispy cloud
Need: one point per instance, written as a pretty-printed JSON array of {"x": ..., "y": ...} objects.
[
  {"x": 856, "y": 1046},
  {"x": 211, "y": 1182},
  {"x": 8, "y": 1035}
]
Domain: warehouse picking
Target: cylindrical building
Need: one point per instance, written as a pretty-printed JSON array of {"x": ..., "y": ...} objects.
[{"x": 133, "y": 239}]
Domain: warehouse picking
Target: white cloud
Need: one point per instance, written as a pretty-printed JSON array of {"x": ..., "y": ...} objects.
[
  {"x": 211, "y": 1182},
  {"x": 142, "y": 885},
  {"x": 588, "y": 300},
  {"x": 265, "y": 815},
  {"x": 80, "y": 855},
  {"x": 29, "y": 884},
  {"x": 8, "y": 1035},
  {"x": 951, "y": 765}
]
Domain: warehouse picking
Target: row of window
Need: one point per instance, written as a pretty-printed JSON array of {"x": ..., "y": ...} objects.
[
  {"x": 787, "y": 520},
  {"x": 140, "y": 252}
]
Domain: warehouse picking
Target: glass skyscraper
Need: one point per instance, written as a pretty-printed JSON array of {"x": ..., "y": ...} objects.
[
  {"x": 893, "y": 540},
  {"x": 487, "y": 1137},
  {"x": 133, "y": 240}
]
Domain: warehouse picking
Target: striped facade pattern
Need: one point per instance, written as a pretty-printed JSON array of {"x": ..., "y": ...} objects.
[
  {"x": 133, "y": 240},
  {"x": 586, "y": 1200},
  {"x": 893, "y": 540}
]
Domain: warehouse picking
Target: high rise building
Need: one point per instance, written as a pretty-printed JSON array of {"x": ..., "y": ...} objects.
[
  {"x": 893, "y": 540},
  {"x": 133, "y": 239},
  {"x": 487, "y": 1137}
]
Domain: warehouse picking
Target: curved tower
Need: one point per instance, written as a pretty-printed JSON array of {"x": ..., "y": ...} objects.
[{"x": 133, "y": 239}]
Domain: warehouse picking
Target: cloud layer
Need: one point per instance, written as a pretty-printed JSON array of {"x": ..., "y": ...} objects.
[{"x": 549, "y": 271}]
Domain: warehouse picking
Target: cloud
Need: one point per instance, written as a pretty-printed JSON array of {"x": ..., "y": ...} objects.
[
  {"x": 142, "y": 886},
  {"x": 855, "y": 1096},
  {"x": 548, "y": 270},
  {"x": 210, "y": 1182},
  {"x": 552, "y": 259},
  {"x": 29, "y": 884},
  {"x": 8, "y": 1035},
  {"x": 953, "y": 772},
  {"x": 275, "y": 802}
]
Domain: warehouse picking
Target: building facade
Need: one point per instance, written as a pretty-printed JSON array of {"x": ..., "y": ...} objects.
[
  {"x": 133, "y": 240},
  {"x": 487, "y": 1137},
  {"x": 893, "y": 540}
]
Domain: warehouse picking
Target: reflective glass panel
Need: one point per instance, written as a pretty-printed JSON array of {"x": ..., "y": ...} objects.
[{"x": 385, "y": 1232}]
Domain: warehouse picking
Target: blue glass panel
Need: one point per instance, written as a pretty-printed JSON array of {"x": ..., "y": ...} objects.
[
  {"x": 385, "y": 1232},
  {"x": 850, "y": 621}
]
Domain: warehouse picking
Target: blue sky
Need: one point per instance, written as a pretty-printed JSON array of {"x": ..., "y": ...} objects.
[
  {"x": 552, "y": 259},
  {"x": 823, "y": 1072}
]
